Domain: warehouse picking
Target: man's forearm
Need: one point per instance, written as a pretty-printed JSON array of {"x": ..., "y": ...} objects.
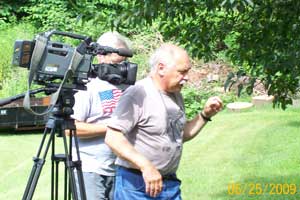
[
  {"x": 87, "y": 130},
  {"x": 193, "y": 127}
]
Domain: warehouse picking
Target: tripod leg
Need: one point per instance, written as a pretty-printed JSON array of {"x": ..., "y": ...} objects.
[
  {"x": 56, "y": 179},
  {"x": 53, "y": 172},
  {"x": 79, "y": 168},
  {"x": 70, "y": 168},
  {"x": 33, "y": 178},
  {"x": 71, "y": 165},
  {"x": 66, "y": 188},
  {"x": 37, "y": 167}
]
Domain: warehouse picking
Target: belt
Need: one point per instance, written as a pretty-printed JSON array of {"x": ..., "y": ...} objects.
[{"x": 171, "y": 177}]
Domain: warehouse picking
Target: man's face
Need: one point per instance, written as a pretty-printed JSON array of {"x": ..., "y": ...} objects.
[
  {"x": 112, "y": 58},
  {"x": 175, "y": 76}
]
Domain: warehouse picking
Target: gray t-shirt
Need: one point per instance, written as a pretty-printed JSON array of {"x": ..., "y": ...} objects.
[
  {"x": 153, "y": 122},
  {"x": 95, "y": 105}
]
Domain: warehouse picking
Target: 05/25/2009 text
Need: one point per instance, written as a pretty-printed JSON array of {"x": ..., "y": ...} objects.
[{"x": 262, "y": 189}]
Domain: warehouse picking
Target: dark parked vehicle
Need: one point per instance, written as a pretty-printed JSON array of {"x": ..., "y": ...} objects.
[{"x": 14, "y": 116}]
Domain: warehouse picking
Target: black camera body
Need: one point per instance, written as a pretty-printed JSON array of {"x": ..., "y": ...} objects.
[
  {"x": 53, "y": 59},
  {"x": 122, "y": 73}
]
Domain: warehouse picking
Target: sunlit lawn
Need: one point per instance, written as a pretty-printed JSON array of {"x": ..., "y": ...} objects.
[{"x": 258, "y": 149}]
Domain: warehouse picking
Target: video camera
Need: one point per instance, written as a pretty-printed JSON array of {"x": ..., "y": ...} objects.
[{"x": 51, "y": 61}]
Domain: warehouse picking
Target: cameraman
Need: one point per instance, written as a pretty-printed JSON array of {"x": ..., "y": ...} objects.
[{"x": 92, "y": 109}]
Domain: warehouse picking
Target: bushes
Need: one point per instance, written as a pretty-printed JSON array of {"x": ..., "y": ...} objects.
[
  {"x": 195, "y": 98},
  {"x": 143, "y": 44},
  {"x": 12, "y": 78},
  {"x": 89, "y": 18}
]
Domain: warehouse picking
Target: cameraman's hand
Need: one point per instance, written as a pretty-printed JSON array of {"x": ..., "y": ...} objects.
[
  {"x": 153, "y": 180},
  {"x": 212, "y": 106}
]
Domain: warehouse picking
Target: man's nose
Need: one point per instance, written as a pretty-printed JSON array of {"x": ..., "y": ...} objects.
[{"x": 186, "y": 77}]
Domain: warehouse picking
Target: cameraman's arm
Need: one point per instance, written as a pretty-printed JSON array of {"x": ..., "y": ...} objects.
[{"x": 87, "y": 130}]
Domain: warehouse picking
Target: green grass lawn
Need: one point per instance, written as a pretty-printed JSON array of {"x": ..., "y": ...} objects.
[{"x": 258, "y": 149}]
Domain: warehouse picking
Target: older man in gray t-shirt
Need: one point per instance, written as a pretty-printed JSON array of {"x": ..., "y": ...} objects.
[
  {"x": 158, "y": 135},
  {"x": 148, "y": 128}
]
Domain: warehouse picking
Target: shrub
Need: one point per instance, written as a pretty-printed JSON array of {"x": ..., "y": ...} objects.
[
  {"x": 12, "y": 79},
  {"x": 196, "y": 97}
]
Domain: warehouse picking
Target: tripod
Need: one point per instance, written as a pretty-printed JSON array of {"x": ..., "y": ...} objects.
[{"x": 59, "y": 121}]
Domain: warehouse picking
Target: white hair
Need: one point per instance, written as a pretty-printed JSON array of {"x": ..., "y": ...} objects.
[
  {"x": 163, "y": 54},
  {"x": 114, "y": 39}
]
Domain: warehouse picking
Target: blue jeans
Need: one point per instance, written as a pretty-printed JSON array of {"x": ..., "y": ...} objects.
[
  {"x": 130, "y": 186},
  {"x": 98, "y": 187}
]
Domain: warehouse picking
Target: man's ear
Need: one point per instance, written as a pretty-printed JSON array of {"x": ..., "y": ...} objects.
[{"x": 161, "y": 69}]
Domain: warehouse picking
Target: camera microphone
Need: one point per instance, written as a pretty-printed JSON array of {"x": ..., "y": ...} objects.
[
  {"x": 125, "y": 52},
  {"x": 103, "y": 50}
]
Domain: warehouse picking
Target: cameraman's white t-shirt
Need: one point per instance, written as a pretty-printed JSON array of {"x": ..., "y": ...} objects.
[{"x": 95, "y": 105}]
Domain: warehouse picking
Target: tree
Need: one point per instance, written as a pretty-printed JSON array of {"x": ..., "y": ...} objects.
[
  {"x": 261, "y": 37},
  {"x": 81, "y": 16}
]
